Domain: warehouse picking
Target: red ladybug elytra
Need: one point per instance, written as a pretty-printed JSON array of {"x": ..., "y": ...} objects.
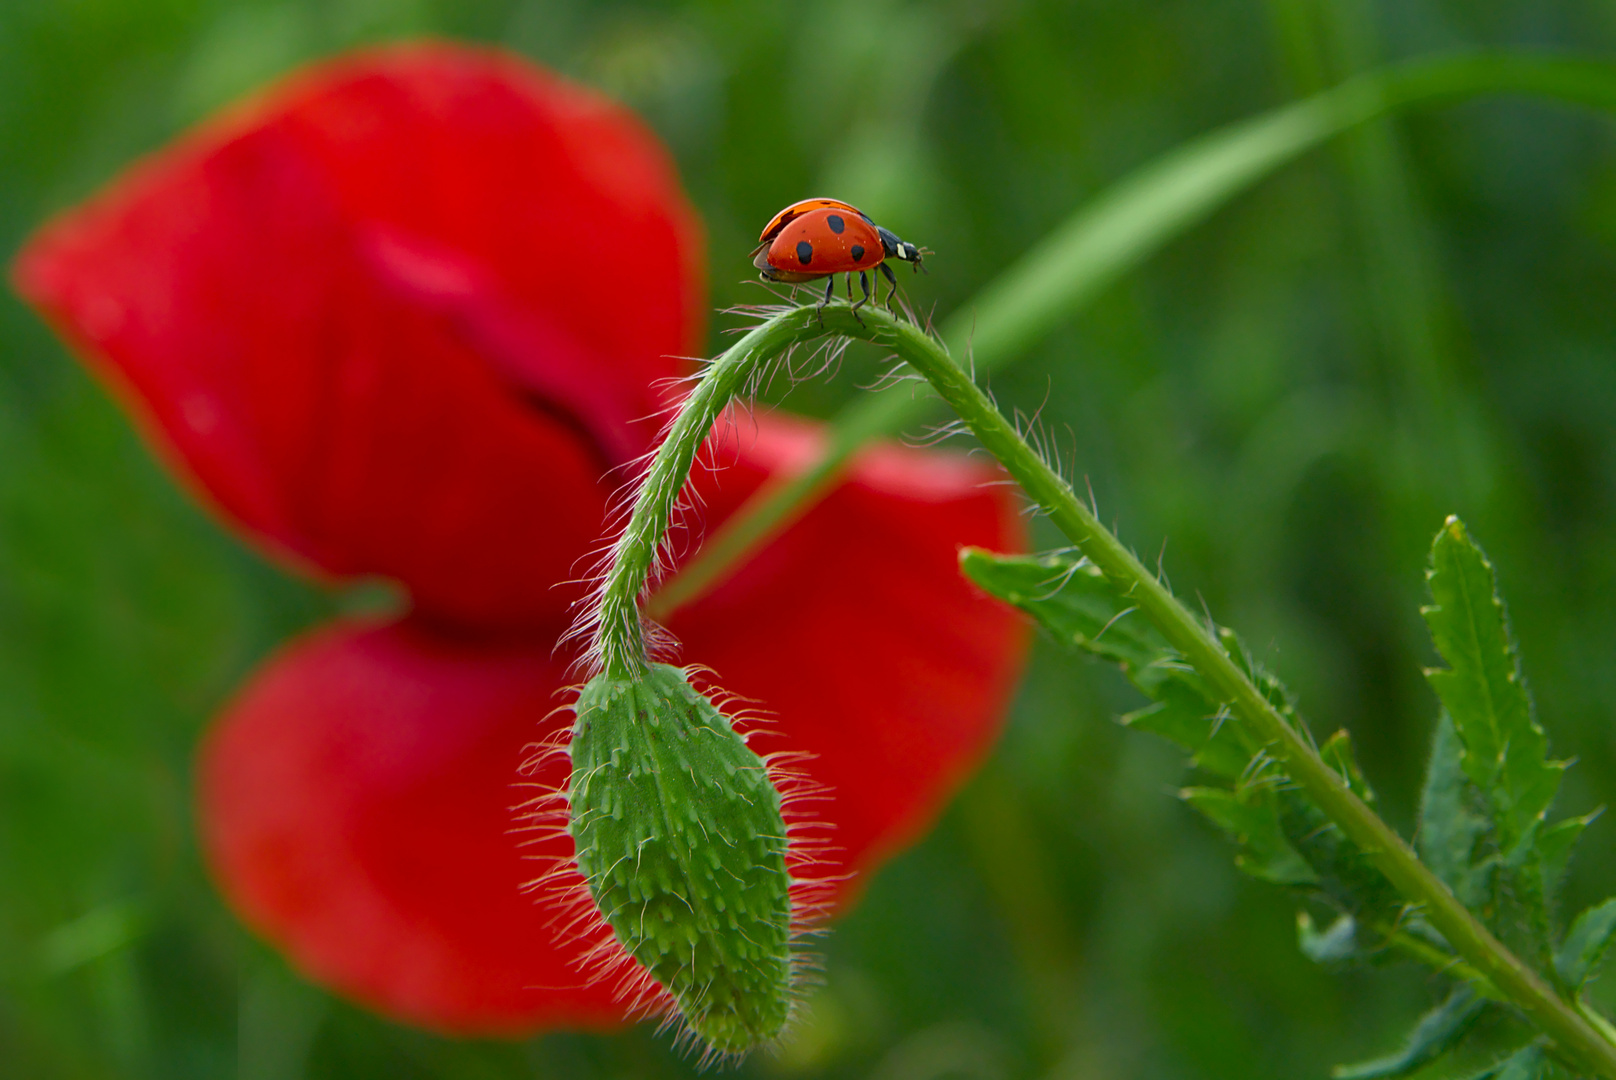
[{"x": 820, "y": 238}]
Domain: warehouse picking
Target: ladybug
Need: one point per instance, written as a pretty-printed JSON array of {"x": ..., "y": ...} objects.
[{"x": 820, "y": 238}]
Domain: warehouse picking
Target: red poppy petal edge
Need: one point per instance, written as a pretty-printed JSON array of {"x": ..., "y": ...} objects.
[{"x": 356, "y": 807}]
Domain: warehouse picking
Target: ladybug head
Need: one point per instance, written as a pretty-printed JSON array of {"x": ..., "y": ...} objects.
[{"x": 899, "y": 249}]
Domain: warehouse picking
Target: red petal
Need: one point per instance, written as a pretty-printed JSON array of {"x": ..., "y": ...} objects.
[
  {"x": 382, "y": 316},
  {"x": 356, "y": 798},
  {"x": 357, "y": 810},
  {"x": 857, "y": 634}
]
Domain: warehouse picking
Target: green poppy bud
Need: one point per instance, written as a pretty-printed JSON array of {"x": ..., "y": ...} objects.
[{"x": 679, "y": 836}]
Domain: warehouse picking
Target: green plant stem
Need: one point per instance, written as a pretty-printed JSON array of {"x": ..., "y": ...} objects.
[
  {"x": 1596, "y": 1020},
  {"x": 619, "y": 634},
  {"x": 1562, "y": 1021},
  {"x": 1116, "y": 232}
]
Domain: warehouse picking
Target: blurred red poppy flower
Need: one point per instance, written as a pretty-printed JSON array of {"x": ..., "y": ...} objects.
[{"x": 380, "y": 318}]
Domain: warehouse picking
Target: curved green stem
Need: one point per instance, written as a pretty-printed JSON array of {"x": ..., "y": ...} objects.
[
  {"x": 619, "y": 643},
  {"x": 1116, "y": 232},
  {"x": 1574, "y": 1036}
]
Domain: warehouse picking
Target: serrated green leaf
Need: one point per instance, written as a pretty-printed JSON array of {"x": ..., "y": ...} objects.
[
  {"x": 1554, "y": 845},
  {"x": 1585, "y": 944},
  {"x": 1073, "y": 601},
  {"x": 1251, "y": 819},
  {"x": 1437, "y": 1032},
  {"x": 1181, "y": 715},
  {"x": 1449, "y": 828},
  {"x": 1263, "y": 679},
  {"x": 1505, "y": 752},
  {"x": 1346, "y": 879}
]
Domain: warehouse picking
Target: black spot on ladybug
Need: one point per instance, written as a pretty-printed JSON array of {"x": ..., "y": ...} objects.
[
  {"x": 805, "y": 252},
  {"x": 857, "y": 253},
  {"x": 836, "y": 224}
]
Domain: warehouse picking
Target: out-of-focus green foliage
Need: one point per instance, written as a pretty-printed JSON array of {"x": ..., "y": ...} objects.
[
  {"x": 1415, "y": 321},
  {"x": 1436, "y": 1033}
]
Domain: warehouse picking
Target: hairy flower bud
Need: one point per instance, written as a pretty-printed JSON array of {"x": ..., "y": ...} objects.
[{"x": 679, "y": 836}]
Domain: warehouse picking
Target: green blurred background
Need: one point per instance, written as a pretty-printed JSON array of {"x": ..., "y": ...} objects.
[{"x": 1415, "y": 321}]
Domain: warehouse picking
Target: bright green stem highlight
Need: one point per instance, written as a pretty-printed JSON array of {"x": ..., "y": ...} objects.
[
  {"x": 1120, "y": 229},
  {"x": 679, "y": 836},
  {"x": 1576, "y": 1039}
]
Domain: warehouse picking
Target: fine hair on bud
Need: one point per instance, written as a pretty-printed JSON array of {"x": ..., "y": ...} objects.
[{"x": 679, "y": 837}]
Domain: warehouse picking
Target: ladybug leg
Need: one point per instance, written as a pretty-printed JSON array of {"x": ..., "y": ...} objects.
[
  {"x": 893, "y": 280},
  {"x": 830, "y": 291},
  {"x": 864, "y": 284}
]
